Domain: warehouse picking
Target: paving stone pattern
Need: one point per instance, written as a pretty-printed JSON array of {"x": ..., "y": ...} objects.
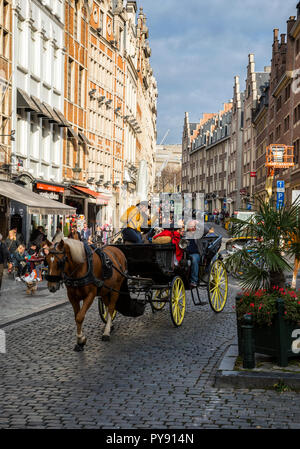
[{"x": 150, "y": 375}]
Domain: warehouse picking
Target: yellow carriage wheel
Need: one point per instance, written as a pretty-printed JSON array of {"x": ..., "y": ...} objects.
[
  {"x": 158, "y": 296},
  {"x": 217, "y": 286},
  {"x": 177, "y": 301},
  {"x": 103, "y": 311}
]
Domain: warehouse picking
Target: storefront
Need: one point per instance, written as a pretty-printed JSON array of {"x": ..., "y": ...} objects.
[
  {"x": 24, "y": 204},
  {"x": 93, "y": 205},
  {"x": 49, "y": 222}
]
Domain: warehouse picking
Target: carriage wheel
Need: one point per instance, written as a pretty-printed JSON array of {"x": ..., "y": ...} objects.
[
  {"x": 157, "y": 297},
  {"x": 217, "y": 286},
  {"x": 177, "y": 301},
  {"x": 103, "y": 311}
]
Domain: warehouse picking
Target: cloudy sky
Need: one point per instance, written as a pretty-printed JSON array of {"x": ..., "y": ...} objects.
[{"x": 198, "y": 46}]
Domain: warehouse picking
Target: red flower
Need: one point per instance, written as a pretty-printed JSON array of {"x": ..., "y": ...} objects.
[{"x": 252, "y": 304}]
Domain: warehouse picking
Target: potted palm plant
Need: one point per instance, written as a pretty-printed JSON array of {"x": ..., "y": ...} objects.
[{"x": 271, "y": 309}]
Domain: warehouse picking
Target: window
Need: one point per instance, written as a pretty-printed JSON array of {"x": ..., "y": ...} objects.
[
  {"x": 278, "y": 103},
  {"x": 297, "y": 151},
  {"x": 81, "y": 86},
  {"x": 287, "y": 92},
  {"x": 70, "y": 83},
  {"x": 271, "y": 140},
  {"x": 297, "y": 114},
  {"x": 297, "y": 46},
  {"x": 278, "y": 132},
  {"x": 70, "y": 149},
  {"x": 287, "y": 123}
]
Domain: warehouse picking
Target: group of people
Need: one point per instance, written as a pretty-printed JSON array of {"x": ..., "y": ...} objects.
[
  {"x": 137, "y": 217},
  {"x": 14, "y": 255}
]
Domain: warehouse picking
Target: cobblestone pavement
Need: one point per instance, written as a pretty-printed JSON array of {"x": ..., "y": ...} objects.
[{"x": 150, "y": 375}]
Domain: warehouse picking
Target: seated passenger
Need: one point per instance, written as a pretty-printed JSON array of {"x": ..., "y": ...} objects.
[
  {"x": 134, "y": 219},
  {"x": 176, "y": 236},
  {"x": 196, "y": 250}
]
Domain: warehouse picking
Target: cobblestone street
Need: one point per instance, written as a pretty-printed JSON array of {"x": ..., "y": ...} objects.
[{"x": 150, "y": 375}]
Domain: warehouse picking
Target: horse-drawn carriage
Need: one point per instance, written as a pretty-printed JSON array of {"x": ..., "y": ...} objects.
[
  {"x": 129, "y": 276},
  {"x": 155, "y": 278}
]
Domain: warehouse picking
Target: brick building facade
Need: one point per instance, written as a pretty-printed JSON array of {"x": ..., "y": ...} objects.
[{"x": 277, "y": 116}]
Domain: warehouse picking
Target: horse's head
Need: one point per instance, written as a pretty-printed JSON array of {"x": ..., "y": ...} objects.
[{"x": 56, "y": 260}]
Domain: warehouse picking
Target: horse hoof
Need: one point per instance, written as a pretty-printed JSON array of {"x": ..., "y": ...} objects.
[
  {"x": 105, "y": 337},
  {"x": 79, "y": 347}
]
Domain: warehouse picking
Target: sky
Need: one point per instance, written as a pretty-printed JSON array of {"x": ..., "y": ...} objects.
[{"x": 199, "y": 46}]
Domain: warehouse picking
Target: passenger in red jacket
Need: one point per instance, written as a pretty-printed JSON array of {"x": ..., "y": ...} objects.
[{"x": 176, "y": 236}]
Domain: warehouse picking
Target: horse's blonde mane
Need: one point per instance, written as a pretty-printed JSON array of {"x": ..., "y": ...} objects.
[{"x": 76, "y": 249}]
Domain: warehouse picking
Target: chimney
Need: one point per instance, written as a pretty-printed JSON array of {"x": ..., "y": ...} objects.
[
  {"x": 275, "y": 33},
  {"x": 298, "y": 10},
  {"x": 290, "y": 24},
  {"x": 282, "y": 36}
]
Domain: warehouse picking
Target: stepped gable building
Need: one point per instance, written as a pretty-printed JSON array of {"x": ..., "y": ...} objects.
[
  {"x": 255, "y": 80},
  {"x": 205, "y": 157},
  {"x": 235, "y": 154},
  {"x": 190, "y": 132}
]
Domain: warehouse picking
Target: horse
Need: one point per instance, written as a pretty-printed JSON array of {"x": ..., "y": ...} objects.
[{"x": 83, "y": 275}]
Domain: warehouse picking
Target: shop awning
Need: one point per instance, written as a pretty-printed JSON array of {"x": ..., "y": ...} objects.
[
  {"x": 36, "y": 204},
  {"x": 87, "y": 191},
  {"x": 100, "y": 198}
]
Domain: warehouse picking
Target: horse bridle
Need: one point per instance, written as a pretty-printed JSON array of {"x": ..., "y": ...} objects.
[{"x": 60, "y": 265}]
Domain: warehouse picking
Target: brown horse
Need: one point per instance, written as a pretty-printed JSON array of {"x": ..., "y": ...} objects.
[{"x": 68, "y": 261}]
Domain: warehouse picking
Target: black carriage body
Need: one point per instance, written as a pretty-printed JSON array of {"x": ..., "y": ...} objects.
[{"x": 150, "y": 261}]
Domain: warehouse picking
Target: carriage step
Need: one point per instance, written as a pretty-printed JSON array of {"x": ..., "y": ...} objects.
[
  {"x": 201, "y": 303},
  {"x": 197, "y": 300}
]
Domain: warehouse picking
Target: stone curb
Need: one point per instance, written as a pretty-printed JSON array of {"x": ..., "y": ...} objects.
[
  {"x": 40, "y": 311},
  {"x": 227, "y": 377}
]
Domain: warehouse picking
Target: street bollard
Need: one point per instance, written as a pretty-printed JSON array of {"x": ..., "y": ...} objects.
[{"x": 248, "y": 343}]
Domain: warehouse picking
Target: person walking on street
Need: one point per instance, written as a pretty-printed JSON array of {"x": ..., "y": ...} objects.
[
  {"x": 4, "y": 258},
  {"x": 85, "y": 233}
]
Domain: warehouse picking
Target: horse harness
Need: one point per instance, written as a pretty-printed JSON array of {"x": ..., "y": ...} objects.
[{"x": 89, "y": 277}]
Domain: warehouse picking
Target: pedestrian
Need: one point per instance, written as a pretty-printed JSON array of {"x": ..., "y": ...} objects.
[
  {"x": 4, "y": 258},
  {"x": 58, "y": 236},
  {"x": 11, "y": 242},
  {"x": 85, "y": 233},
  {"x": 74, "y": 234}
]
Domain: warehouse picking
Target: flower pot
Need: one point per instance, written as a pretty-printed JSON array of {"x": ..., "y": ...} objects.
[{"x": 274, "y": 340}]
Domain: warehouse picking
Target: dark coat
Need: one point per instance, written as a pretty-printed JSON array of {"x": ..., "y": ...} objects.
[{"x": 4, "y": 254}]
